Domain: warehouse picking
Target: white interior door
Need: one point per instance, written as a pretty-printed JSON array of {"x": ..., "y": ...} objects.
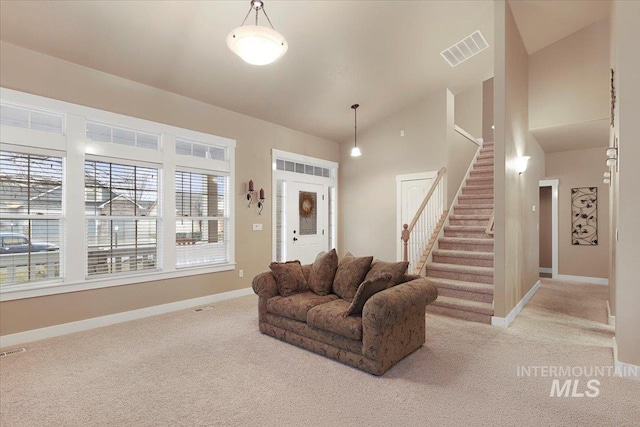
[
  {"x": 411, "y": 192},
  {"x": 306, "y": 213}
]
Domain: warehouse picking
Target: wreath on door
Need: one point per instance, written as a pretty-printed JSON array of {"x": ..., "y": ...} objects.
[{"x": 307, "y": 204}]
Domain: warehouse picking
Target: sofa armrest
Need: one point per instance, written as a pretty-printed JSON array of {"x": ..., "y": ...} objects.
[
  {"x": 393, "y": 321},
  {"x": 264, "y": 285}
]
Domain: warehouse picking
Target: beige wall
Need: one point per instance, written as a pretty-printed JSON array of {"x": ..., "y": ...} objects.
[
  {"x": 468, "y": 110},
  {"x": 32, "y": 72},
  {"x": 627, "y": 66},
  {"x": 516, "y": 223},
  {"x": 580, "y": 168},
  {"x": 460, "y": 151},
  {"x": 487, "y": 110},
  {"x": 367, "y": 196},
  {"x": 569, "y": 79},
  {"x": 545, "y": 227}
]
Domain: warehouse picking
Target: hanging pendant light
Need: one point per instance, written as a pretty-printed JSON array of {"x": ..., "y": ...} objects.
[
  {"x": 256, "y": 44},
  {"x": 355, "y": 151}
]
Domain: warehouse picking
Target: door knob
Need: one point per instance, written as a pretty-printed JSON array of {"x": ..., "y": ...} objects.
[{"x": 295, "y": 239}]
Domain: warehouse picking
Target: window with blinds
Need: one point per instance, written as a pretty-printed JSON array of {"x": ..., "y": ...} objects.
[
  {"x": 121, "y": 207},
  {"x": 202, "y": 218},
  {"x": 30, "y": 217}
]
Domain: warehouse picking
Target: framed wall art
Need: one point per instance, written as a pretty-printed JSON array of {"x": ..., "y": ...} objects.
[{"x": 584, "y": 216}]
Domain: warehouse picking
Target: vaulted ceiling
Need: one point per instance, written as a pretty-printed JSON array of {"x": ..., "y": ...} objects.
[{"x": 384, "y": 55}]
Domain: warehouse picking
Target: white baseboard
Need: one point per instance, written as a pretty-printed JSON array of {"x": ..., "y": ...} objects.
[
  {"x": 111, "y": 319},
  {"x": 584, "y": 279},
  {"x": 547, "y": 270},
  {"x": 504, "y": 322},
  {"x": 624, "y": 370},
  {"x": 611, "y": 319}
]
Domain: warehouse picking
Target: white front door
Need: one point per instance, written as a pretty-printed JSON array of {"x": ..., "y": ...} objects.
[
  {"x": 305, "y": 221},
  {"x": 412, "y": 189}
]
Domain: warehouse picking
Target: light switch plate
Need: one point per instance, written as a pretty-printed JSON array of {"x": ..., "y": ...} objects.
[{"x": 257, "y": 227}]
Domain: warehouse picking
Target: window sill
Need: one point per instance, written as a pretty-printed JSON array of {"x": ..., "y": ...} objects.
[{"x": 53, "y": 288}]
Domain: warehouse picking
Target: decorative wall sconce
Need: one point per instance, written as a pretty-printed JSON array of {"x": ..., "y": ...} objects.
[
  {"x": 607, "y": 178},
  {"x": 520, "y": 164},
  {"x": 251, "y": 194}
]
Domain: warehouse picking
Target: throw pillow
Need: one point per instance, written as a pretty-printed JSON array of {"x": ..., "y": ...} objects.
[
  {"x": 366, "y": 290},
  {"x": 322, "y": 272},
  {"x": 289, "y": 277},
  {"x": 396, "y": 269},
  {"x": 351, "y": 272}
]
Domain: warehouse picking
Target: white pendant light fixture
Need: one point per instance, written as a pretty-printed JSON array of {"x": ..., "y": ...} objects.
[
  {"x": 256, "y": 44},
  {"x": 355, "y": 151}
]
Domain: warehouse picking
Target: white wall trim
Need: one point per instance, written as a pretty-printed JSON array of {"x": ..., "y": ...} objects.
[
  {"x": 584, "y": 279},
  {"x": 624, "y": 370},
  {"x": 111, "y": 319},
  {"x": 504, "y": 322},
  {"x": 553, "y": 183},
  {"x": 611, "y": 320},
  {"x": 545, "y": 270}
]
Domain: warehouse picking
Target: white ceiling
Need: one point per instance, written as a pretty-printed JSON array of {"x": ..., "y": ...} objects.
[
  {"x": 384, "y": 55},
  {"x": 542, "y": 23}
]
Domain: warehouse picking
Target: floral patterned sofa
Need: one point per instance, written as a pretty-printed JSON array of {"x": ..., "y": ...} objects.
[{"x": 367, "y": 315}]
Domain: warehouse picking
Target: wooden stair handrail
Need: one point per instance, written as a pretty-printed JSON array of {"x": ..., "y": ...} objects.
[
  {"x": 432, "y": 242},
  {"x": 489, "y": 229},
  {"x": 408, "y": 228}
]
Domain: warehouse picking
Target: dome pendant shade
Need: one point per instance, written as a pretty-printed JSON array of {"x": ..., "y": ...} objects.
[
  {"x": 257, "y": 45},
  {"x": 355, "y": 152}
]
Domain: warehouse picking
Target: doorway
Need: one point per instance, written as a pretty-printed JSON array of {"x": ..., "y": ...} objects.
[
  {"x": 548, "y": 228},
  {"x": 304, "y": 206}
]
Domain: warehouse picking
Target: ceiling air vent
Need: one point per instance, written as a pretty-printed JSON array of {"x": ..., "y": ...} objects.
[{"x": 465, "y": 49}]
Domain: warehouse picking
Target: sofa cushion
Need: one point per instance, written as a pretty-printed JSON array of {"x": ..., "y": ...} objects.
[
  {"x": 296, "y": 306},
  {"x": 289, "y": 277},
  {"x": 322, "y": 272},
  {"x": 396, "y": 269},
  {"x": 366, "y": 290},
  {"x": 351, "y": 272},
  {"x": 331, "y": 317}
]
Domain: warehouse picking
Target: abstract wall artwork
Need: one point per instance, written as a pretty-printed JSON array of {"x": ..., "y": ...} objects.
[{"x": 584, "y": 216}]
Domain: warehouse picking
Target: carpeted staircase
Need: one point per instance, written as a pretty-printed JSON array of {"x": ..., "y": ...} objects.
[{"x": 462, "y": 267}]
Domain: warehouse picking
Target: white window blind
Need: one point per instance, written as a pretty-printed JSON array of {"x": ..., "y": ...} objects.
[
  {"x": 202, "y": 218},
  {"x": 30, "y": 217},
  {"x": 121, "y": 205}
]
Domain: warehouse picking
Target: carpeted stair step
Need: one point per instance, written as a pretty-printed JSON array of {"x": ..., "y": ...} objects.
[
  {"x": 477, "y": 190},
  {"x": 484, "y": 163},
  {"x": 470, "y": 291},
  {"x": 481, "y": 172},
  {"x": 475, "y": 199},
  {"x": 486, "y": 156},
  {"x": 484, "y": 209},
  {"x": 478, "y": 259},
  {"x": 465, "y": 244},
  {"x": 469, "y": 220},
  {"x": 467, "y": 273},
  {"x": 480, "y": 180},
  {"x": 473, "y": 311},
  {"x": 473, "y": 231}
]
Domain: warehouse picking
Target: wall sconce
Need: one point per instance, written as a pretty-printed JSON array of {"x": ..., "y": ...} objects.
[
  {"x": 607, "y": 178},
  {"x": 251, "y": 194},
  {"x": 612, "y": 156},
  {"x": 520, "y": 164},
  {"x": 261, "y": 201}
]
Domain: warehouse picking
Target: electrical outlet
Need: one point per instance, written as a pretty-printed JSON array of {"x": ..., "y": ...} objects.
[
  {"x": 257, "y": 227},
  {"x": 402, "y": 132},
  {"x": 534, "y": 208},
  {"x": 240, "y": 273}
]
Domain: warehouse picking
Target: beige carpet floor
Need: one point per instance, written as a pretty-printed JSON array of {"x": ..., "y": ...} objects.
[{"x": 215, "y": 368}]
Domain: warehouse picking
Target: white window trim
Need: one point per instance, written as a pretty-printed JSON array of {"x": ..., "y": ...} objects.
[{"x": 75, "y": 147}]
